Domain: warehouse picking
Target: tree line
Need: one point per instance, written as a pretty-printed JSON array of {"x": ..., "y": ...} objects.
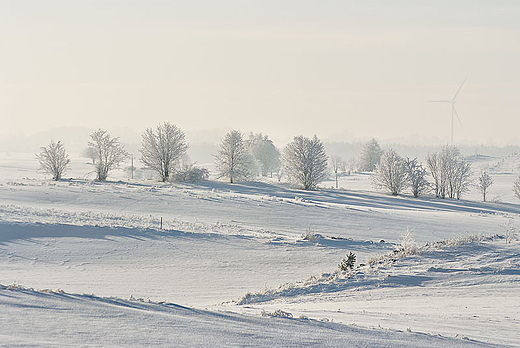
[{"x": 303, "y": 161}]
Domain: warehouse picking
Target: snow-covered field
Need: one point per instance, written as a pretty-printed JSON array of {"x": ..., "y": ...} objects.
[{"x": 140, "y": 263}]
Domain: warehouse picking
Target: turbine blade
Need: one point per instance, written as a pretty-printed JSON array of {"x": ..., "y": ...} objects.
[
  {"x": 456, "y": 114},
  {"x": 456, "y": 94}
]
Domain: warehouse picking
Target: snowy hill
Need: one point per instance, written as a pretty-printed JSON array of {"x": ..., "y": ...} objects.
[
  {"x": 461, "y": 287},
  {"x": 43, "y": 319},
  {"x": 209, "y": 259}
]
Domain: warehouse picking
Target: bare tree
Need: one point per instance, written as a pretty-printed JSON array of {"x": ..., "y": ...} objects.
[
  {"x": 90, "y": 153},
  {"x": 343, "y": 168},
  {"x": 270, "y": 159},
  {"x": 391, "y": 173},
  {"x": 450, "y": 172},
  {"x": 459, "y": 173},
  {"x": 305, "y": 161},
  {"x": 351, "y": 165},
  {"x": 451, "y": 165},
  {"x": 252, "y": 144},
  {"x": 370, "y": 156},
  {"x": 233, "y": 159},
  {"x": 463, "y": 178},
  {"x": 516, "y": 188},
  {"x": 162, "y": 149},
  {"x": 484, "y": 182},
  {"x": 265, "y": 153},
  {"x": 336, "y": 164},
  {"x": 110, "y": 153},
  {"x": 433, "y": 161},
  {"x": 417, "y": 177},
  {"x": 54, "y": 159}
]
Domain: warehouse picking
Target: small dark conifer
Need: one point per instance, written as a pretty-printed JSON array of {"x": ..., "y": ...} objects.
[{"x": 348, "y": 262}]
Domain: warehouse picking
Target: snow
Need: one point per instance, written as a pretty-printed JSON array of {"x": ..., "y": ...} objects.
[
  {"x": 43, "y": 319},
  {"x": 458, "y": 285},
  {"x": 226, "y": 254}
]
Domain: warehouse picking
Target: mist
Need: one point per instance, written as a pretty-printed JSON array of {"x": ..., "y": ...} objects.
[{"x": 345, "y": 71}]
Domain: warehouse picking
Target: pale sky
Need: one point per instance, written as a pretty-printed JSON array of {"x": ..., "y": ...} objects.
[{"x": 344, "y": 70}]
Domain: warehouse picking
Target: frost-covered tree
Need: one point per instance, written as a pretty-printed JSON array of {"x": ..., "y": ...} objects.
[
  {"x": 370, "y": 156},
  {"x": 53, "y": 159},
  {"x": 516, "y": 188},
  {"x": 110, "y": 153},
  {"x": 417, "y": 177},
  {"x": 265, "y": 153},
  {"x": 336, "y": 163},
  {"x": 434, "y": 163},
  {"x": 484, "y": 182},
  {"x": 305, "y": 161},
  {"x": 233, "y": 160},
  {"x": 450, "y": 172},
  {"x": 162, "y": 149},
  {"x": 270, "y": 159},
  {"x": 90, "y": 153},
  {"x": 462, "y": 178},
  {"x": 457, "y": 172},
  {"x": 391, "y": 173},
  {"x": 351, "y": 165}
]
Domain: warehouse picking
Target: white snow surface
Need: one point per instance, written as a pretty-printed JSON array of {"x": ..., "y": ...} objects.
[
  {"x": 228, "y": 259},
  {"x": 55, "y": 319}
]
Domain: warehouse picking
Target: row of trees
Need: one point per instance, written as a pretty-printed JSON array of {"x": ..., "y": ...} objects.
[
  {"x": 161, "y": 150},
  {"x": 304, "y": 161},
  {"x": 450, "y": 172}
]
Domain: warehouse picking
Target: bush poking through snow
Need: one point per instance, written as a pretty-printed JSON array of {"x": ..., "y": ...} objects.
[
  {"x": 510, "y": 232},
  {"x": 191, "y": 173},
  {"x": 408, "y": 244},
  {"x": 309, "y": 236},
  {"x": 277, "y": 313},
  {"x": 348, "y": 262},
  {"x": 337, "y": 279}
]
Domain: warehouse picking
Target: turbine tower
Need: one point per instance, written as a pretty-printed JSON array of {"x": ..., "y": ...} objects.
[{"x": 453, "y": 110}]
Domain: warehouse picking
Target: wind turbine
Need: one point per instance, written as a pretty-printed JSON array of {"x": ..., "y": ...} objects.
[{"x": 453, "y": 110}]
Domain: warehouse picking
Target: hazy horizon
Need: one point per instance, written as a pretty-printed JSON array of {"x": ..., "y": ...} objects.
[{"x": 343, "y": 70}]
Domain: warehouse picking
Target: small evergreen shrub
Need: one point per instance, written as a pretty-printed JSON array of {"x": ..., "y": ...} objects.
[{"x": 348, "y": 262}]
